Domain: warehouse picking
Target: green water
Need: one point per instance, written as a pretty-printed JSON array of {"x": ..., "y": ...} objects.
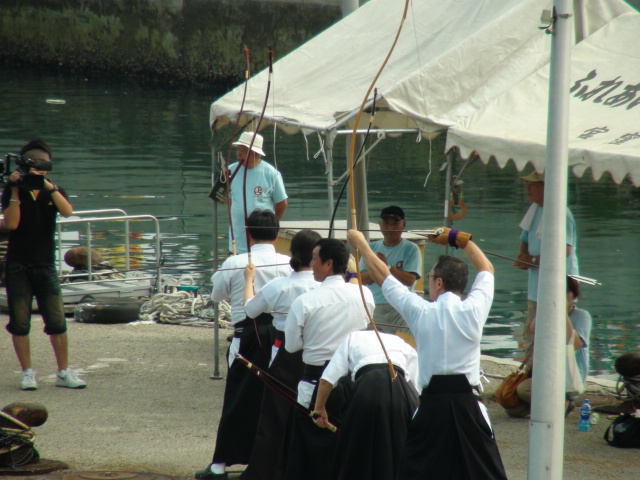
[{"x": 121, "y": 144}]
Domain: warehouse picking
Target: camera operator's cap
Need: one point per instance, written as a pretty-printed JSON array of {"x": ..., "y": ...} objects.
[
  {"x": 245, "y": 139},
  {"x": 392, "y": 211},
  {"x": 533, "y": 177}
]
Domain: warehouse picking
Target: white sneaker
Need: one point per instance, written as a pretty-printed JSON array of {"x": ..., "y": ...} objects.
[
  {"x": 28, "y": 380},
  {"x": 68, "y": 378}
]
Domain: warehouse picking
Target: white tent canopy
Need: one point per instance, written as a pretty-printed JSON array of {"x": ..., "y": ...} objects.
[
  {"x": 604, "y": 122},
  {"x": 453, "y": 57}
]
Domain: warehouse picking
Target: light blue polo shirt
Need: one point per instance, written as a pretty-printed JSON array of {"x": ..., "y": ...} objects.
[
  {"x": 405, "y": 256},
  {"x": 535, "y": 242}
]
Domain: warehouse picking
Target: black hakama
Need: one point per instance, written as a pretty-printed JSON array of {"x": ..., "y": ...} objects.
[
  {"x": 312, "y": 450},
  {"x": 269, "y": 454},
  {"x": 449, "y": 438},
  {"x": 375, "y": 425},
  {"x": 243, "y": 395}
]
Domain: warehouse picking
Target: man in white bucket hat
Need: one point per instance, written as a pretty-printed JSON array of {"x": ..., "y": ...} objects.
[{"x": 265, "y": 187}]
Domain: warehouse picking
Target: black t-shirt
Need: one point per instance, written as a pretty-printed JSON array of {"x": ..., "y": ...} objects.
[{"x": 33, "y": 242}]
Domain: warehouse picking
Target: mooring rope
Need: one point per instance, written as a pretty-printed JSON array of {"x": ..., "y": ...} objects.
[
  {"x": 12, "y": 439},
  {"x": 183, "y": 308}
]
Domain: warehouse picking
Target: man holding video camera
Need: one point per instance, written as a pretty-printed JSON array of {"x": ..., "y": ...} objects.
[{"x": 30, "y": 204}]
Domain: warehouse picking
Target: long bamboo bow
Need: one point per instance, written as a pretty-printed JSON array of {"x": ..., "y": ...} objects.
[
  {"x": 244, "y": 182},
  {"x": 255, "y": 132},
  {"x": 275, "y": 384},
  {"x": 352, "y": 150}
]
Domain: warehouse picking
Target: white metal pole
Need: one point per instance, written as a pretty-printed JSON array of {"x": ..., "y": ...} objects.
[
  {"x": 216, "y": 327},
  {"x": 330, "y": 181},
  {"x": 546, "y": 433},
  {"x": 361, "y": 190},
  {"x": 447, "y": 189},
  {"x": 580, "y": 20}
]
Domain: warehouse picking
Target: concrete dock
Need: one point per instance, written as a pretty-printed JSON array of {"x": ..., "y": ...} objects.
[{"x": 151, "y": 406}]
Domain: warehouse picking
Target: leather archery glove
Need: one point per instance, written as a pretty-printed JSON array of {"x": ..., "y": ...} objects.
[{"x": 451, "y": 237}]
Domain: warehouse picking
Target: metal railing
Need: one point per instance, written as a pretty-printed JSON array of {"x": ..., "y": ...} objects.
[{"x": 96, "y": 217}]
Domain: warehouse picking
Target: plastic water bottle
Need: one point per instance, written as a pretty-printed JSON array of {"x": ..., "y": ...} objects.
[{"x": 585, "y": 416}]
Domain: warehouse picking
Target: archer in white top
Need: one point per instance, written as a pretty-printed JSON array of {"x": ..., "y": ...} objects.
[
  {"x": 277, "y": 295},
  {"x": 362, "y": 348},
  {"x": 228, "y": 281}
]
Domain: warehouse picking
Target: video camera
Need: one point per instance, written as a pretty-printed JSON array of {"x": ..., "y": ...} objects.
[{"x": 28, "y": 181}]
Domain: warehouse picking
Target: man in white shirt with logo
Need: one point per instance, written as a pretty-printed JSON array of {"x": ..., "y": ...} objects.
[{"x": 264, "y": 187}]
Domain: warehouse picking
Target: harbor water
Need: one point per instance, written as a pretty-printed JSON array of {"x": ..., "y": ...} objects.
[{"x": 122, "y": 143}]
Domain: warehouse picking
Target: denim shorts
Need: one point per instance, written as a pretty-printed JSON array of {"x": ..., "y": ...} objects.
[{"x": 25, "y": 282}]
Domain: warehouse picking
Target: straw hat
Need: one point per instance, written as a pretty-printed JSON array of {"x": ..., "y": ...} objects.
[
  {"x": 245, "y": 139},
  {"x": 533, "y": 177}
]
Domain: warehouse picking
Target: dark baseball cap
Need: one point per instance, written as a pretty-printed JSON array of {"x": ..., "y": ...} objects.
[{"x": 392, "y": 211}]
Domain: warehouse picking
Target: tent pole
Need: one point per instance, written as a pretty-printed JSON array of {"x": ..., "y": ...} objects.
[
  {"x": 580, "y": 20},
  {"x": 546, "y": 432},
  {"x": 447, "y": 222},
  {"x": 330, "y": 137},
  {"x": 447, "y": 188},
  {"x": 362, "y": 194},
  {"x": 349, "y": 6},
  {"x": 216, "y": 328},
  {"x": 360, "y": 186}
]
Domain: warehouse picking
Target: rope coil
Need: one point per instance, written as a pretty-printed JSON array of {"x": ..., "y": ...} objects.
[
  {"x": 13, "y": 439},
  {"x": 181, "y": 308}
]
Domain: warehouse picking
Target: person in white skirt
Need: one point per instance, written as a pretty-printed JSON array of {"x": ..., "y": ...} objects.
[{"x": 379, "y": 409}]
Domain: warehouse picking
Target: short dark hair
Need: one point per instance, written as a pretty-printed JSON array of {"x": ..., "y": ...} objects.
[
  {"x": 392, "y": 210},
  {"x": 37, "y": 144},
  {"x": 573, "y": 287},
  {"x": 453, "y": 271},
  {"x": 302, "y": 245},
  {"x": 336, "y": 250},
  {"x": 266, "y": 225}
]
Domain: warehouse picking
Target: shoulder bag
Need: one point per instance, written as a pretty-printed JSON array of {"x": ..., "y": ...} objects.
[{"x": 506, "y": 394}]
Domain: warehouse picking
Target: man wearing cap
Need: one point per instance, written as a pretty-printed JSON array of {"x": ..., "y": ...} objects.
[
  {"x": 264, "y": 187},
  {"x": 531, "y": 241},
  {"x": 403, "y": 259}
]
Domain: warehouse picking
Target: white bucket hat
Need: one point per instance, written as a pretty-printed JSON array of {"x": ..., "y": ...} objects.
[{"x": 245, "y": 139}]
